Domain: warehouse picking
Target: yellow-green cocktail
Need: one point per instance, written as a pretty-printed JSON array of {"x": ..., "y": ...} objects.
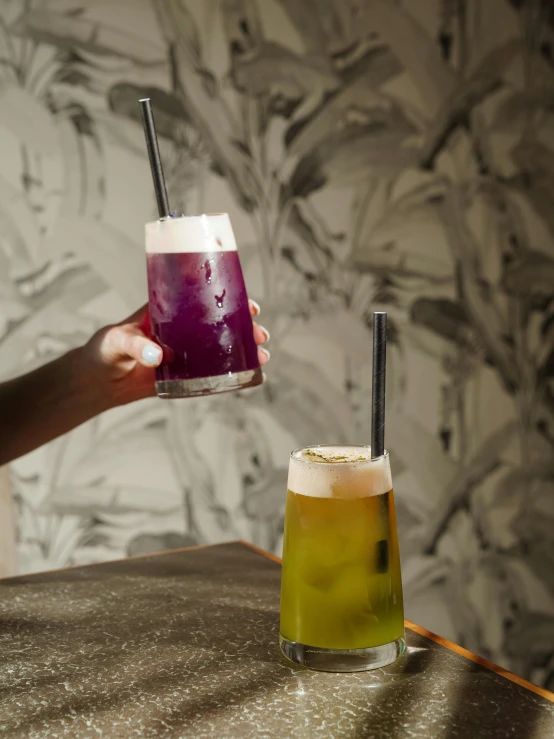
[{"x": 341, "y": 593}]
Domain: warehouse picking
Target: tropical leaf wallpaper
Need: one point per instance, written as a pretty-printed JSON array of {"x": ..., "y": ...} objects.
[{"x": 372, "y": 154}]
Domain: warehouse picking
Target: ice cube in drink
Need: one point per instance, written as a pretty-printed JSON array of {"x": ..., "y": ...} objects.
[{"x": 199, "y": 308}]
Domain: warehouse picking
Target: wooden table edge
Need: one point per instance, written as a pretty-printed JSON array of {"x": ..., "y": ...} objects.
[{"x": 543, "y": 692}]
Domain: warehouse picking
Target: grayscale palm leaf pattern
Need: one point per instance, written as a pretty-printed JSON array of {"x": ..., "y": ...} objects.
[{"x": 372, "y": 155}]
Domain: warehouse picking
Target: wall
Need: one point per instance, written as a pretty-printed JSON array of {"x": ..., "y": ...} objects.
[{"x": 372, "y": 155}]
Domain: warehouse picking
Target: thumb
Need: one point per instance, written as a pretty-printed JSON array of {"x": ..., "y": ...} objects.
[{"x": 127, "y": 341}]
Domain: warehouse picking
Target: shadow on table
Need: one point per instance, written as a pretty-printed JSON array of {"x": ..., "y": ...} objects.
[
  {"x": 432, "y": 691},
  {"x": 96, "y": 667},
  {"x": 195, "y": 664},
  {"x": 485, "y": 704},
  {"x": 451, "y": 698},
  {"x": 168, "y": 641}
]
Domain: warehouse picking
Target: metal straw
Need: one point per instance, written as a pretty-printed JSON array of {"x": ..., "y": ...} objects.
[
  {"x": 378, "y": 385},
  {"x": 154, "y": 156}
]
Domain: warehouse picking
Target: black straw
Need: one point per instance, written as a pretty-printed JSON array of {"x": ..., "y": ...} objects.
[
  {"x": 378, "y": 385},
  {"x": 154, "y": 156}
]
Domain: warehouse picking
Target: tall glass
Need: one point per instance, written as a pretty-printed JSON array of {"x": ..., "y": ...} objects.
[
  {"x": 341, "y": 589},
  {"x": 199, "y": 307}
]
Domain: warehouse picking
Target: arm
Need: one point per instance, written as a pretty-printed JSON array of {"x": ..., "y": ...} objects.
[
  {"x": 46, "y": 403},
  {"x": 115, "y": 367}
]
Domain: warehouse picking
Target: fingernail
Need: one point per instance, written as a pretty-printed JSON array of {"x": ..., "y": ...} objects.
[
  {"x": 266, "y": 352},
  {"x": 257, "y": 308},
  {"x": 151, "y": 354},
  {"x": 265, "y": 332}
]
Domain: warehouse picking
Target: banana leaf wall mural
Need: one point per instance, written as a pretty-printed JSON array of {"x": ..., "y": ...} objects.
[{"x": 373, "y": 155}]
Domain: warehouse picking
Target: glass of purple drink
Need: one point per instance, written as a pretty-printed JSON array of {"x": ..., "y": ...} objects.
[{"x": 199, "y": 308}]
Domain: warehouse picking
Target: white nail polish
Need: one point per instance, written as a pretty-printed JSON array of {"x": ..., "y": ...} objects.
[
  {"x": 256, "y": 307},
  {"x": 265, "y": 332},
  {"x": 266, "y": 352},
  {"x": 151, "y": 354}
]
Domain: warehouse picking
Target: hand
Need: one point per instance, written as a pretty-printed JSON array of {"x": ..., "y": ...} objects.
[{"x": 124, "y": 357}]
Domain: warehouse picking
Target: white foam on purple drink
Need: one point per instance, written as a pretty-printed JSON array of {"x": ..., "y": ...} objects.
[{"x": 185, "y": 234}]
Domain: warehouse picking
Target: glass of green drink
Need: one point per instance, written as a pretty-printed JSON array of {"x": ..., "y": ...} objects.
[
  {"x": 341, "y": 588},
  {"x": 341, "y": 592}
]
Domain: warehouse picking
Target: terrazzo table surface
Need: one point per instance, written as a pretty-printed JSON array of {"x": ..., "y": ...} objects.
[{"x": 185, "y": 645}]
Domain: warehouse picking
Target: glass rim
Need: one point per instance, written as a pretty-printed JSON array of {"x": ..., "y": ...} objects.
[
  {"x": 170, "y": 218},
  {"x": 295, "y": 452}
]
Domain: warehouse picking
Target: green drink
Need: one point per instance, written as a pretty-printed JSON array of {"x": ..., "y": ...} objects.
[{"x": 341, "y": 593}]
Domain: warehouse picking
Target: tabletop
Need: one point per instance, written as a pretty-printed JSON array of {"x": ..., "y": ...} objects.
[{"x": 185, "y": 644}]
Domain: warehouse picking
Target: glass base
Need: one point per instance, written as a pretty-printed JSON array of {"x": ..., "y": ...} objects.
[
  {"x": 209, "y": 385},
  {"x": 342, "y": 660}
]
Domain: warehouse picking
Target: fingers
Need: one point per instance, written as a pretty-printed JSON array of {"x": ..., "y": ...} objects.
[
  {"x": 128, "y": 342},
  {"x": 261, "y": 334}
]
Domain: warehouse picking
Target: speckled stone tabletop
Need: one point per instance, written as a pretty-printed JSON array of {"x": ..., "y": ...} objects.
[{"x": 185, "y": 645}]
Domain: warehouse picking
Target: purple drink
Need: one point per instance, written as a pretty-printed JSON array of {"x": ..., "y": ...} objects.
[{"x": 199, "y": 308}]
